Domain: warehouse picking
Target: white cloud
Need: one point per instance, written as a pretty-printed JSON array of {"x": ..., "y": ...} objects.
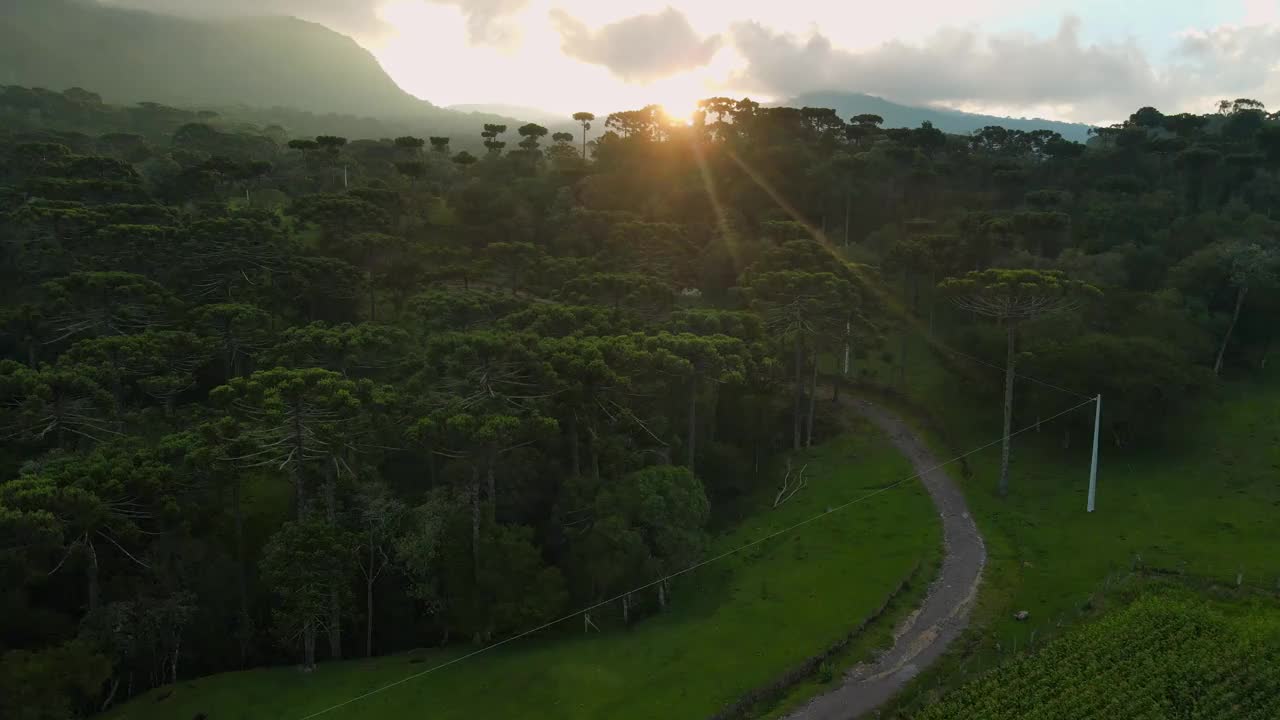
[
  {"x": 959, "y": 68},
  {"x": 488, "y": 20},
  {"x": 1228, "y": 62},
  {"x": 1261, "y": 12},
  {"x": 641, "y": 48}
]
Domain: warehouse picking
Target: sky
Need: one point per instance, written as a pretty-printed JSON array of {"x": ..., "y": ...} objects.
[{"x": 1091, "y": 61}]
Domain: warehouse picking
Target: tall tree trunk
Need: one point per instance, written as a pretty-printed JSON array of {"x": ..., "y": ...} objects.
[
  {"x": 117, "y": 395},
  {"x": 1009, "y": 372},
  {"x": 62, "y": 426},
  {"x": 369, "y": 579},
  {"x": 692, "y": 429},
  {"x": 902, "y": 359},
  {"x": 595, "y": 455},
  {"x": 299, "y": 482},
  {"x": 309, "y": 644},
  {"x": 1226, "y": 340},
  {"x": 813, "y": 399},
  {"x": 173, "y": 664},
  {"x": 848, "y": 200},
  {"x": 237, "y": 510},
  {"x": 715, "y": 414},
  {"x": 33, "y": 355},
  {"x": 91, "y": 574},
  {"x": 373, "y": 301},
  {"x": 474, "y": 492},
  {"x": 335, "y": 606},
  {"x": 575, "y": 452},
  {"x": 111, "y": 695},
  {"x": 797, "y": 393},
  {"x": 492, "y": 487},
  {"x": 229, "y": 352}
]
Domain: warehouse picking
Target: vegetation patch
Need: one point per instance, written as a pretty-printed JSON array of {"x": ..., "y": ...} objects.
[
  {"x": 731, "y": 626},
  {"x": 1166, "y": 655}
]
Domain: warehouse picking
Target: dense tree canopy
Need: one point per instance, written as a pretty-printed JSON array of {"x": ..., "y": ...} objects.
[{"x": 264, "y": 396}]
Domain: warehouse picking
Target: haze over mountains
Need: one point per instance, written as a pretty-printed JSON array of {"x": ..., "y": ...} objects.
[
  {"x": 950, "y": 121},
  {"x": 132, "y": 56}
]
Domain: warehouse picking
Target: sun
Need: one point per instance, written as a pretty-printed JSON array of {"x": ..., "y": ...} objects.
[
  {"x": 679, "y": 95},
  {"x": 680, "y": 111}
]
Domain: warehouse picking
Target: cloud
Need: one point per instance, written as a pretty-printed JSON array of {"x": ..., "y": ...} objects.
[
  {"x": 957, "y": 67},
  {"x": 347, "y": 16},
  {"x": 639, "y": 49},
  {"x": 487, "y": 19},
  {"x": 1231, "y": 61}
]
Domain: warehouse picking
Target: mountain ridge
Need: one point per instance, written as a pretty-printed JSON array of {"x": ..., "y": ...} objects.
[
  {"x": 897, "y": 114},
  {"x": 261, "y": 63},
  {"x": 129, "y": 55}
]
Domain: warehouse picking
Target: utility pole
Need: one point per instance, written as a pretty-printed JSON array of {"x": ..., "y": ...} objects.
[
  {"x": 1093, "y": 467},
  {"x": 848, "y": 332}
]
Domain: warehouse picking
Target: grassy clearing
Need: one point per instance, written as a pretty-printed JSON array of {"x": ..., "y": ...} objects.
[
  {"x": 734, "y": 625},
  {"x": 875, "y": 639},
  {"x": 1205, "y": 503}
]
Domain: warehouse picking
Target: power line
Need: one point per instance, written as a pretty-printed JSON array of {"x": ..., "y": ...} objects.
[
  {"x": 689, "y": 569},
  {"x": 980, "y": 361}
]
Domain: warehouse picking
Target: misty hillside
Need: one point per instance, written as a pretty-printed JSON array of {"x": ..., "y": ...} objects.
[
  {"x": 950, "y": 121},
  {"x": 130, "y": 56},
  {"x": 537, "y": 115}
]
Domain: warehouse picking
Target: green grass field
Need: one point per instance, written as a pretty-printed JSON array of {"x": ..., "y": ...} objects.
[
  {"x": 1169, "y": 654},
  {"x": 734, "y": 625},
  {"x": 1205, "y": 503}
]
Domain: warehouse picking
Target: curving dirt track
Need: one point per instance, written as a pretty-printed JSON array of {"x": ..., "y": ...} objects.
[{"x": 923, "y": 636}]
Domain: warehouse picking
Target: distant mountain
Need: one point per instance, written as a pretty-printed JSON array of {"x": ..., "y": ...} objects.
[
  {"x": 542, "y": 117},
  {"x": 130, "y": 56},
  {"x": 950, "y": 121}
]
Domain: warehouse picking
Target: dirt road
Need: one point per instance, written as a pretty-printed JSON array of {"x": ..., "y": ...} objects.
[{"x": 922, "y": 637}]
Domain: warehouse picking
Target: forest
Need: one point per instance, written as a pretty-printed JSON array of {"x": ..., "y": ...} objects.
[{"x": 280, "y": 400}]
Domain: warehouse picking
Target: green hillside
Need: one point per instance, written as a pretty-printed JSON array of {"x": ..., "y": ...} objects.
[{"x": 132, "y": 56}]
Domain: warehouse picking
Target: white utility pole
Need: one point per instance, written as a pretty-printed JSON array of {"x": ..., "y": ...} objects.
[
  {"x": 1093, "y": 467},
  {"x": 848, "y": 332}
]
